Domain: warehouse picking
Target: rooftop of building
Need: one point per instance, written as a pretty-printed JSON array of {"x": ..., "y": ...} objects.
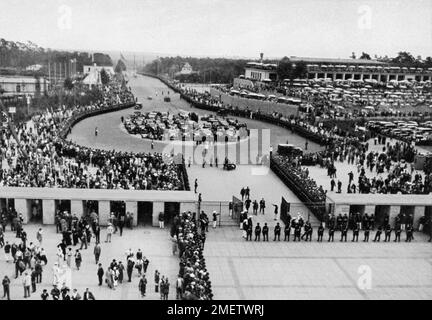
[
  {"x": 17, "y": 79},
  {"x": 336, "y": 61}
]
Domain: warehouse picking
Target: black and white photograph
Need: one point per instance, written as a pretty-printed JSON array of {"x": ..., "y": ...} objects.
[{"x": 231, "y": 150}]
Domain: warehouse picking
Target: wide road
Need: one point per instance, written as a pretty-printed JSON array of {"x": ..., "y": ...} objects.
[{"x": 112, "y": 135}]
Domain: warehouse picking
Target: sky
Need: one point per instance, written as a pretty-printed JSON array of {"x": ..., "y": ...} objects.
[{"x": 225, "y": 28}]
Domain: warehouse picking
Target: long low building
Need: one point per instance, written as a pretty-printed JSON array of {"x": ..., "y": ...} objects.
[
  {"x": 22, "y": 85},
  {"x": 381, "y": 205},
  {"x": 144, "y": 204},
  {"x": 361, "y": 69},
  {"x": 341, "y": 69}
]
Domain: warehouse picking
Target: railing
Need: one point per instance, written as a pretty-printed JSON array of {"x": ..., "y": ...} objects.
[
  {"x": 222, "y": 208},
  {"x": 90, "y": 113}
]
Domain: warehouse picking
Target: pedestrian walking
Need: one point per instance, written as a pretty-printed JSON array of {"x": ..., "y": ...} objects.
[
  {"x": 143, "y": 285},
  {"x": 69, "y": 255},
  {"x": 39, "y": 236},
  {"x": 110, "y": 231},
  {"x": 78, "y": 259},
  {"x": 120, "y": 269},
  {"x": 215, "y": 215},
  {"x": 179, "y": 287},
  {"x": 157, "y": 279},
  {"x": 174, "y": 244},
  {"x": 97, "y": 252},
  {"x": 145, "y": 264},
  {"x": 7, "y": 252},
  {"x": 262, "y": 206},
  {"x": 26, "y": 281},
  {"x": 161, "y": 219},
  {"x": 6, "y": 287},
  {"x": 276, "y": 209},
  {"x": 33, "y": 276},
  {"x": 129, "y": 268},
  {"x": 100, "y": 274}
]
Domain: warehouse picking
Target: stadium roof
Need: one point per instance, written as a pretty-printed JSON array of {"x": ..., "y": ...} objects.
[{"x": 335, "y": 60}]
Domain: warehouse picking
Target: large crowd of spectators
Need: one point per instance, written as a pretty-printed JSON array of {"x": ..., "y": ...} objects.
[
  {"x": 393, "y": 167},
  {"x": 44, "y": 158},
  {"x": 195, "y": 282}
]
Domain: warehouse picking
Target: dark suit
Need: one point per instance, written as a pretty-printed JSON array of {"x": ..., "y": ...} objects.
[
  {"x": 257, "y": 233},
  {"x": 265, "y": 233},
  {"x": 88, "y": 296},
  {"x": 100, "y": 274}
]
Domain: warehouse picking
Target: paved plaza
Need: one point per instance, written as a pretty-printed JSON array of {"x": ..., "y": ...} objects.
[
  {"x": 154, "y": 243},
  {"x": 311, "y": 270}
]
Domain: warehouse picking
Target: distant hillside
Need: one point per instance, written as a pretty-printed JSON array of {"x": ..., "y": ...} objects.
[{"x": 15, "y": 57}]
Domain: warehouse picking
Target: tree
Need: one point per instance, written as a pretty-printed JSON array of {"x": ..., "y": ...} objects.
[
  {"x": 104, "y": 77},
  {"x": 300, "y": 70},
  {"x": 68, "y": 84},
  {"x": 404, "y": 57},
  {"x": 120, "y": 67},
  {"x": 427, "y": 168},
  {"x": 102, "y": 59},
  {"x": 365, "y": 56},
  {"x": 353, "y": 56},
  {"x": 284, "y": 69}
]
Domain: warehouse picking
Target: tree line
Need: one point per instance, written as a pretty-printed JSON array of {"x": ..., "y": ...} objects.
[
  {"x": 223, "y": 70},
  {"x": 215, "y": 70}
]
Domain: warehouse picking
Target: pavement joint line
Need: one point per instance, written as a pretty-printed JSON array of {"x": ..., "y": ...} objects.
[
  {"x": 237, "y": 286},
  {"x": 322, "y": 257},
  {"x": 321, "y": 286},
  {"x": 361, "y": 292}
]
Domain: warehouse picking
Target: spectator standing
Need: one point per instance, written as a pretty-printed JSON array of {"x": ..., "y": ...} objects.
[
  {"x": 26, "y": 284},
  {"x": 143, "y": 285},
  {"x": 110, "y": 231},
  {"x": 97, "y": 252},
  {"x": 6, "y": 287}
]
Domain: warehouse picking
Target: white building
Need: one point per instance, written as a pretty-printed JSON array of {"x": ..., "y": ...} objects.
[
  {"x": 92, "y": 79},
  {"x": 94, "y": 68},
  {"x": 187, "y": 69},
  {"x": 260, "y": 71},
  {"x": 34, "y": 67},
  {"x": 93, "y": 74}
]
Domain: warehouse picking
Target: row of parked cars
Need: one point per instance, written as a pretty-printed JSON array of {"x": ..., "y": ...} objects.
[{"x": 421, "y": 133}]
